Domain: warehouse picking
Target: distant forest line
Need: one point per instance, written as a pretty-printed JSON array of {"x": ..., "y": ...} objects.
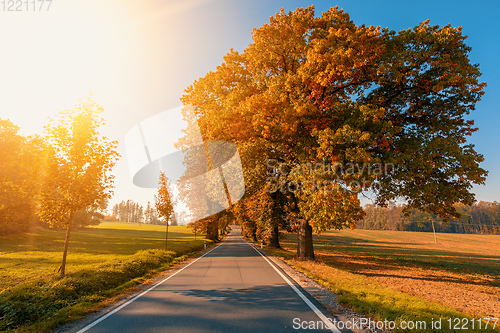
[
  {"x": 480, "y": 218},
  {"x": 130, "y": 211}
]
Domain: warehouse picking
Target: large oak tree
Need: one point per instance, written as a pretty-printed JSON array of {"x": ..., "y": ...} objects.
[{"x": 381, "y": 110}]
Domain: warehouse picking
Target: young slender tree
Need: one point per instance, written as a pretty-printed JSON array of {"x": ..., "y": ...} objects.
[
  {"x": 78, "y": 176},
  {"x": 380, "y": 109},
  {"x": 164, "y": 203}
]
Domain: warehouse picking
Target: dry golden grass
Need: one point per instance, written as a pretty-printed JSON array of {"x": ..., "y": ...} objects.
[{"x": 371, "y": 269}]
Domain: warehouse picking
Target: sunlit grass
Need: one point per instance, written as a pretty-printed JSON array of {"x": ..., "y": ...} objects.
[
  {"x": 102, "y": 261},
  {"x": 29, "y": 256}
]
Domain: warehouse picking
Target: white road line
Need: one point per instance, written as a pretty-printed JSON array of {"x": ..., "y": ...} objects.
[
  {"x": 97, "y": 321},
  {"x": 328, "y": 323}
]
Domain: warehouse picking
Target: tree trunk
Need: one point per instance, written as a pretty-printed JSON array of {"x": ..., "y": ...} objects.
[
  {"x": 254, "y": 235},
  {"x": 213, "y": 229},
  {"x": 434, "y": 230},
  {"x": 222, "y": 231},
  {"x": 275, "y": 239},
  {"x": 166, "y": 238},
  {"x": 65, "y": 251},
  {"x": 305, "y": 249}
]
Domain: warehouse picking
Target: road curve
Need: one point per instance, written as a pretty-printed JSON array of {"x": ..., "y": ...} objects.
[{"x": 233, "y": 288}]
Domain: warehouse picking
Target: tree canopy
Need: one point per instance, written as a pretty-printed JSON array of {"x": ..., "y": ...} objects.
[
  {"x": 20, "y": 172},
  {"x": 80, "y": 160},
  {"x": 382, "y": 110}
]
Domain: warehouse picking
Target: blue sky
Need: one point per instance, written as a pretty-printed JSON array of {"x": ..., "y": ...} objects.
[{"x": 137, "y": 57}]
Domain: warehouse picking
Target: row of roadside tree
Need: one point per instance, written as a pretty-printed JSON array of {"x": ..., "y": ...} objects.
[{"x": 315, "y": 88}]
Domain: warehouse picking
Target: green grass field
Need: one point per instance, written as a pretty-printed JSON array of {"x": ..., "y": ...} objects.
[
  {"x": 102, "y": 262},
  {"x": 406, "y": 276}
]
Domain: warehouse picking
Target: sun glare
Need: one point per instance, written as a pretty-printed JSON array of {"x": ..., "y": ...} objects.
[{"x": 50, "y": 59}]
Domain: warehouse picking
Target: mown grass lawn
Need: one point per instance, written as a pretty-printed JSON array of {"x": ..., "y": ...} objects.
[
  {"x": 102, "y": 262},
  {"x": 405, "y": 276}
]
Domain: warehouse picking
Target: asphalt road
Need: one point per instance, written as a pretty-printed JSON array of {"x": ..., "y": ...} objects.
[{"x": 233, "y": 288}]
